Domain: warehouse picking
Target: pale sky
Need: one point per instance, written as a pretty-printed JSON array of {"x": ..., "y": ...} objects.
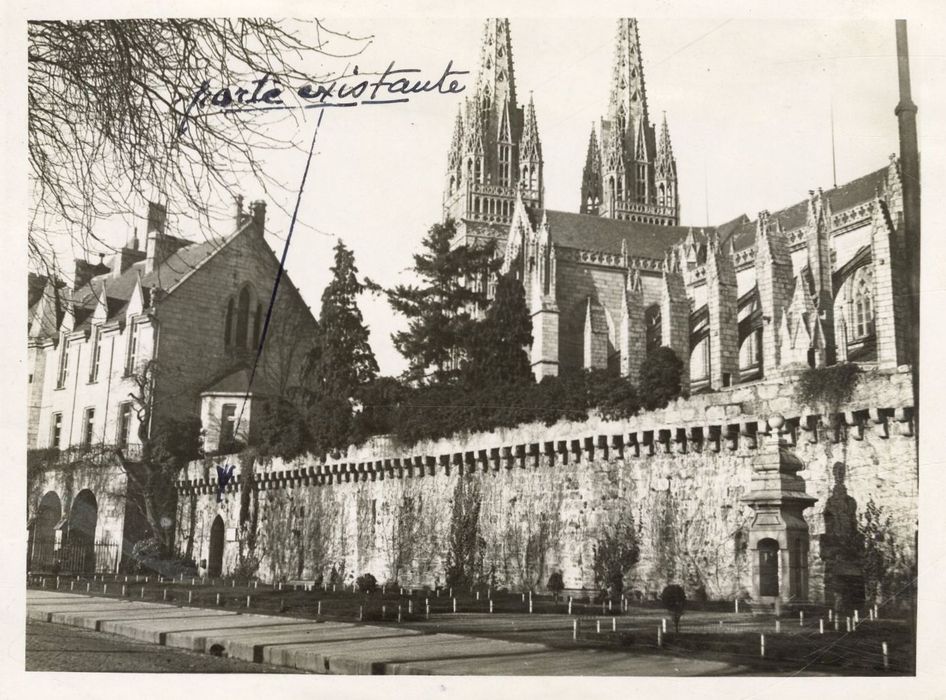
[{"x": 748, "y": 104}]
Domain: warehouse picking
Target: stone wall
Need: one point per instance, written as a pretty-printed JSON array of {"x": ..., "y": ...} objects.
[{"x": 546, "y": 493}]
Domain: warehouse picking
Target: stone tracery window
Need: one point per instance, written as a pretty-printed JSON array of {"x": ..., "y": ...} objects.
[{"x": 862, "y": 297}]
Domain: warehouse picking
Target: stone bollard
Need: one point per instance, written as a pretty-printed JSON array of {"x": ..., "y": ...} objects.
[
  {"x": 530, "y": 605},
  {"x": 477, "y": 595},
  {"x": 318, "y": 608},
  {"x": 614, "y": 624},
  {"x": 233, "y": 583},
  {"x": 398, "y": 613},
  {"x": 737, "y": 605},
  {"x": 428, "y": 611},
  {"x": 451, "y": 591},
  {"x": 609, "y": 605},
  {"x": 88, "y": 587},
  {"x": 883, "y": 648},
  {"x": 454, "y": 604},
  {"x": 574, "y": 629},
  {"x": 660, "y": 637},
  {"x": 361, "y": 612},
  {"x": 761, "y": 645},
  {"x": 857, "y": 620},
  {"x": 830, "y": 615},
  {"x": 801, "y": 618},
  {"x": 248, "y": 602},
  {"x": 57, "y": 583},
  {"x": 598, "y": 626},
  {"x": 218, "y": 600},
  {"x": 124, "y": 588},
  {"x": 142, "y": 592},
  {"x": 490, "y": 605},
  {"x": 384, "y": 609},
  {"x": 72, "y": 585},
  {"x": 847, "y": 621},
  {"x": 778, "y": 626},
  {"x": 523, "y": 597},
  {"x": 821, "y": 626},
  {"x": 410, "y": 607},
  {"x": 104, "y": 587},
  {"x": 663, "y": 624},
  {"x": 190, "y": 597},
  {"x": 569, "y": 605},
  {"x": 837, "y": 626}
]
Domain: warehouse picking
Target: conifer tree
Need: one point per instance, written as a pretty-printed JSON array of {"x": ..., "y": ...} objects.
[
  {"x": 441, "y": 308},
  {"x": 499, "y": 349},
  {"x": 342, "y": 363}
]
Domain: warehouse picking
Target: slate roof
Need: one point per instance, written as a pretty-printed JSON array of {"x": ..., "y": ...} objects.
[
  {"x": 844, "y": 197},
  {"x": 599, "y": 233},
  {"x": 588, "y": 232}
]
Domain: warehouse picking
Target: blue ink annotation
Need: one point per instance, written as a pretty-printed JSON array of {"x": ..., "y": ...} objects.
[
  {"x": 224, "y": 475},
  {"x": 393, "y": 86}
]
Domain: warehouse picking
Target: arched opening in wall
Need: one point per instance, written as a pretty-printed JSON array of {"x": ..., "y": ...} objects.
[
  {"x": 652, "y": 330},
  {"x": 83, "y": 517},
  {"x": 768, "y": 567},
  {"x": 700, "y": 364},
  {"x": 42, "y": 550},
  {"x": 750, "y": 356},
  {"x": 215, "y": 555}
]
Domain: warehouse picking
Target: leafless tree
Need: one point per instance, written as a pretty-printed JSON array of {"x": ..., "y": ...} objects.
[{"x": 107, "y": 100}]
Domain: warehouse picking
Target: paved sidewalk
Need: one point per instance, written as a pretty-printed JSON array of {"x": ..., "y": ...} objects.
[{"x": 344, "y": 647}]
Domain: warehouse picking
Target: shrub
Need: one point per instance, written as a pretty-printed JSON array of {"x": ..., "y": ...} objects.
[
  {"x": 366, "y": 583},
  {"x": 674, "y": 599},
  {"x": 556, "y": 584},
  {"x": 660, "y": 378},
  {"x": 828, "y": 387}
]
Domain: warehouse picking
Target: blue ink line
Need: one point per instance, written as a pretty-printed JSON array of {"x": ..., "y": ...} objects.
[
  {"x": 282, "y": 265},
  {"x": 385, "y": 102}
]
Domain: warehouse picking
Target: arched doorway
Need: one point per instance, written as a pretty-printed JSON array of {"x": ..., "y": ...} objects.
[
  {"x": 42, "y": 546},
  {"x": 215, "y": 556},
  {"x": 83, "y": 516},
  {"x": 768, "y": 567}
]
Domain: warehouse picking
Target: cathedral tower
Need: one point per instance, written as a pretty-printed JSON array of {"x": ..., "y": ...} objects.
[
  {"x": 633, "y": 176},
  {"x": 495, "y": 150}
]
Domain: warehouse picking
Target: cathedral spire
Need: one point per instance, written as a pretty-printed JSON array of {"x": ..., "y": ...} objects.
[
  {"x": 591, "y": 193},
  {"x": 627, "y": 80},
  {"x": 531, "y": 146},
  {"x": 665, "y": 172}
]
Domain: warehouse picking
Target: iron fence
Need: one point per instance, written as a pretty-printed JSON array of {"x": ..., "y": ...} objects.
[{"x": 76, "y": 558}]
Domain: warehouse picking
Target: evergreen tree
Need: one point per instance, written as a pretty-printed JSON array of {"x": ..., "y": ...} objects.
[
  {"x": 499, "y": 349},
  {"x": 341, "y": 363},
  {"x": 440, "y": 308}
]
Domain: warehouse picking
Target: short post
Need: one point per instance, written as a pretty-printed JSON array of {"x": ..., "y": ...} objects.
[
  {"x": 569, "y": 605},
  {"x": 876, "y": 616},
  {"x": 614, "y": 624},
  {"x": 454, "y": 603},
  {"x": 598, "y": 626},
  {"x": 451, "y": 591},
  {"x": 883, "y": 648},
  {"x": 410, "y": 606},
  {"x": 57, "y": 583},
  {"x": 361, "y": 612},
  {"x": 427, "y": 612},
  {"x": 821, "y": 626},
  {"x": 530, "y": 604},
  {"x": 333, "y": 588},
  {"x": 318, "y": 608},
  {"x": 762, "y": 645},
  {"x": 190, "y": 597},
  {"x": 124, "y": 588},
  {"x": 523, "y": 597},
  {"x": 663, "y": 624},
  {"x": 737, "y": 605},
  {"x": 801, "y": 618},
  {"x": 193, "y": 581},
  {"x": 72, "y": 585},
  {"x": 142, "y": 592},
  {"x": 382, "y": 589},
  {"x": 490, "y": 605},
  {"x": 126, "y": 580},
  {"x": 660, "y": 637},
  {"x": 830, "y": 614},
  {"x": 248, "y": 602},
  {"x": 233, "y": 583},
  {"x": 398, "y": 613},
  {"x": 848, "y": 622},
  {"x": 218, "y": 600},
  {"x": 836, "y": 623},
  {"x": 609, "y": 605},
  {"x": 384, "y": 609},
  {"x": 575, "y": 629},
  {"x": 164, "y": 595},
  {"x": 104, "y": 586},
  {"x": 778, "y": 626},
  {"x": 602, "y": 607},
  {"x": 477, "y": 595},
  {"x": 88, "y": 587}
]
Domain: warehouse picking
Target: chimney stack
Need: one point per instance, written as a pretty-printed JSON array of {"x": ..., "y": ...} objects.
[
  {"x": 237, "y": 212},
  {"x": 258, "y": 209}
]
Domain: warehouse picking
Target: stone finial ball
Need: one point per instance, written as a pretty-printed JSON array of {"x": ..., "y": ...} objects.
[{"x": 776, "y": 421}]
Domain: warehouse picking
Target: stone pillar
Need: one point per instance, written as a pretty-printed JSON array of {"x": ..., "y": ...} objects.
[
  {"x": 632, "y": 327},
  {"x": 675, "y": 320},
  {"x": 891, "y": 312},
  {"x": 721, "y": 301},
  {"x": 778, "y": 535},
  {"x": 774, "y": 281},
  {"x": 545, "y": 314},
  {"x": 819, "y": 262}
]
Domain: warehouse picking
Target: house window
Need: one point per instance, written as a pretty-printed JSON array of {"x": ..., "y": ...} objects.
[
  {"x": 863, "y": 303},
  {"x": 63, "y": 364},
  {"x": 88, "y": 431},
  {"x": 56, "y": 431},
  {"x": 227, "y": 426},
  {"x": 132, "y": 358},
  {"x": 96, "y": 356},
  {"x": 124, "y": 423},
  {"x": 228, "y": 325},
  {"x": 243, "y": 315}
]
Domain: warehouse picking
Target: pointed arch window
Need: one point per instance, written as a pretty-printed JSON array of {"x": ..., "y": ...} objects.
[
  {"x": 652, "y": 329},
  {"x": 243, "y": 314},
  {"x": 863, "y": 302},
  {"x": 228, "y": 324},
  {"x": 243, "y": 320}
]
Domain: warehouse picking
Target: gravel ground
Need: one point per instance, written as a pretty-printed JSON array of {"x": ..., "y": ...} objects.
[{"x": 51, "y": 647}]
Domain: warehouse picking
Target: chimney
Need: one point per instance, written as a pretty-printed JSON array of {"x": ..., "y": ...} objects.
[
  {"x": 237, "y": 212},
  {"x": 157, "y": 217},
  {"x": 258, "y": 209},
  {"x": 84, "y": 271},
  {"x": 160, "y": 245},
  {"x": 127, "y": 256}
]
